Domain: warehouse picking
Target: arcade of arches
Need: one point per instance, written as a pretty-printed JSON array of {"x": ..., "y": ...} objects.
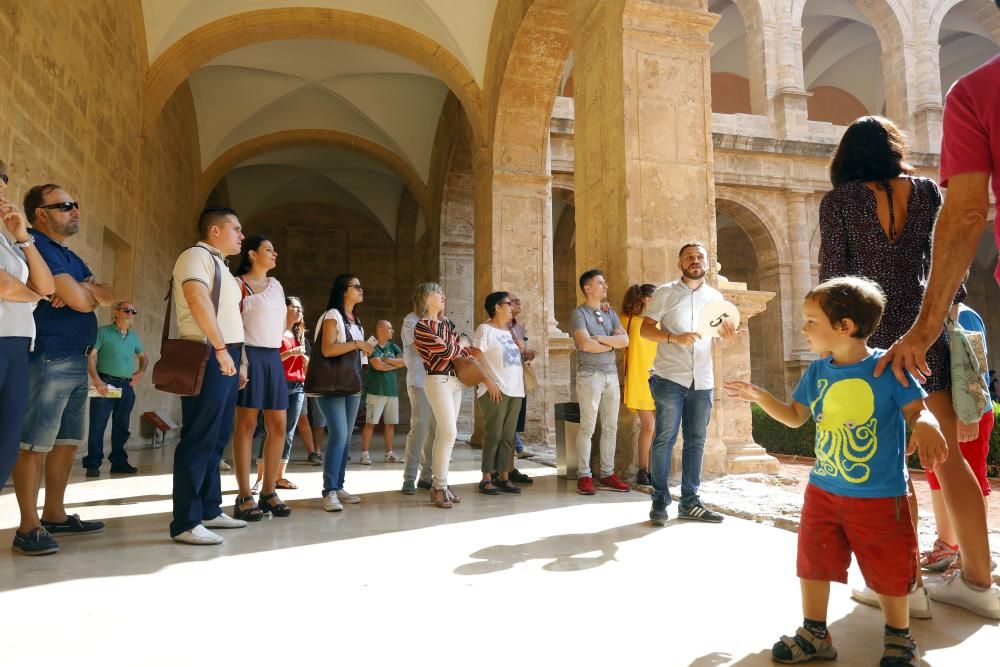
[{"x": 485, "y": 144}]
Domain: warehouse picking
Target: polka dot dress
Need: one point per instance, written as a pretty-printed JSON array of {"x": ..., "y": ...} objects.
[{"x": 853, "y": 243}]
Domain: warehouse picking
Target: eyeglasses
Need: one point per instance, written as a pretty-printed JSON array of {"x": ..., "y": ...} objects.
[
  {"x": 64, "y": 206},
  {"x": 357, "y": 287},
  {"x": 5, "y": 178},
  {"x": 505, "y": 303},
  {"x": 130, "y": 311}
]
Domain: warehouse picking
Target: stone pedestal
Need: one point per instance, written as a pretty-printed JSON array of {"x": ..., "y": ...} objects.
[
  {"x": 736, "y": 452},
  {"x": 927, "y": 128},
  {"x": 791, "y": 113}
]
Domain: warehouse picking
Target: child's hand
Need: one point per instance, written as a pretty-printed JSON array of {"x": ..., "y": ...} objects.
[
  {"x": 743, "y": 390},
  {"x": 930, "y": 445}
]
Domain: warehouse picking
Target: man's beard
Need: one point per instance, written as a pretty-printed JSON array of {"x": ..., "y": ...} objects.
[{"x": 693, "y": 274}]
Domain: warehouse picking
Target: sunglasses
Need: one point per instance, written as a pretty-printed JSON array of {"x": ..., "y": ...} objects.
[
  {"x": 130, "y": 311},
  {"x": 65, "y": 206},
  {"x": 5, "y": 178}
]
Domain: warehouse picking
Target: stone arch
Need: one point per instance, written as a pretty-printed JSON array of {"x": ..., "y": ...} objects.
[
  {"x": 528, "y": 91},
  {"x": 891, "y": 22},
  {"x": 756, "y": 15},
  {"x": 987, "y": 16},
  {"x": 755, "y": 219},
  {"x": 202, "y": 45},
  {"x": 295, "y": 138}
]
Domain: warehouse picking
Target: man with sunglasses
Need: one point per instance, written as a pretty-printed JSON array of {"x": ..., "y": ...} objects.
[
  {"x": 116, "y": 364},
  {"x": 57, "y": 375}
]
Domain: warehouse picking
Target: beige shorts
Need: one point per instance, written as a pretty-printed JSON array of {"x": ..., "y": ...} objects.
[{"x": 386, "y": 407}]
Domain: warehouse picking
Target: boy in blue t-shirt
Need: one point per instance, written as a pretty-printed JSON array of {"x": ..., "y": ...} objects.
[{"x": 856, "y": 498}]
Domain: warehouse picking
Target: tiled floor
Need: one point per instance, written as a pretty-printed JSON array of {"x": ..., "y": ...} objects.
[{"x": 548, "y": 577}]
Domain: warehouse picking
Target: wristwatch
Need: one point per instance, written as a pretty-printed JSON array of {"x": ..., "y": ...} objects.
[{"x": 24, "y": 244}]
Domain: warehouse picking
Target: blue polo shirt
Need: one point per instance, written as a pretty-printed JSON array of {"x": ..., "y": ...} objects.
[{"x": 62, "y": 330}]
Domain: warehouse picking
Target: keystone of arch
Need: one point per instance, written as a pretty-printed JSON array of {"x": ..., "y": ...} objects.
[
  {"x": 206, "y": 43},
  {"x": 324, "y": 138}
]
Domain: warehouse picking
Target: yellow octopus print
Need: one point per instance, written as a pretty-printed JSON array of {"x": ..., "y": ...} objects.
[{"x": 845, "y": 429}]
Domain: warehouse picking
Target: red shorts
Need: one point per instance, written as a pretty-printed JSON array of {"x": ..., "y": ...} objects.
[
  {"x": 975, "y": 452},
  {"x": 876, "y": 530}
]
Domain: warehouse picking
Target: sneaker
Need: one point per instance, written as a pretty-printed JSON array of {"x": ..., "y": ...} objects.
[
  {"x": 659, "y": 512},
  {"x": 347, "y": 498},
  {"x": 224, "y": 467},
  {"x": 391, "y": 458},
  {"x": 920, "y": 601},
  {"x": 124, "y": 469},
  {"x": 224, "y": 521},
  {"x": 38, "y": 542},
  {"x": 585, "y": 486},
  {"x": 314, "y": 459},
  {"x": 93, "y": 472},
  {"x": 366, "y": 460},
  {"x": 519, "y": 477},
  {"x": 425, "y": 485},
  {"x": 612, "y": 483},
  {"x": 698, "y": 513},
  {"x": 939, "y": 557},
  {"x": 642, "y": 478},
  {"x": 199, "y": 536},
  {"x": 409, "y": 488},
  {"x": 954, "y": 590},
  {"x": 73, "y": 525},
  {"x": 331, "y": 504}
]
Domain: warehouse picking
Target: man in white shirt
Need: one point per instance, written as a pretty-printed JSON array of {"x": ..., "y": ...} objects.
[
  {"x": 207, "y": 419},
  {"x": 682, "y": 381}
]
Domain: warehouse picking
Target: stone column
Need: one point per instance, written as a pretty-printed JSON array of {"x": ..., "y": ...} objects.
[
  {"x": 643, "y": 145},
  {"x": 799, "y": 357}
]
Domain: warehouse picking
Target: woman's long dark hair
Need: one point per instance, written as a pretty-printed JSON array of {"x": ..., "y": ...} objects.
[
  {"x": 253, "y": 243},
  {"x": 632, "y": 304},
  {"x": 872, "y": 149},
  {"x": 336, "y": 299},
  {"x": 298, "y": 328}
]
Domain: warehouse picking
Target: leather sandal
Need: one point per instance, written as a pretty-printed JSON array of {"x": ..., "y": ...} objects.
[
  {"x": 506, "y": 486},
  {"x": 252, "y": 513},
  {"x": 451, "y": 496},
  {"x": 440, "y": 498},
  {"x": 488, "y": 490},
  {"x": 276, "y": 508},
  {"x": 283, "y": 483}
]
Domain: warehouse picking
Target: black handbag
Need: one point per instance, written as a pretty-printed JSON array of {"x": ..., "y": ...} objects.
[
  {"x": 333, "y": 376},
  {"x": 181, "y": 367}
]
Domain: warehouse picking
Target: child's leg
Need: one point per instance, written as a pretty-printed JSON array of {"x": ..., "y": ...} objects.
[
  {"x": 812, "y": 641},
  {"x": 896, "y": 610},
  {"x": 815, "y": 598}
]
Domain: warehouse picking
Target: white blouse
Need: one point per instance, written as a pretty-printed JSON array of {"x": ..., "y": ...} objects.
[
  {"x": 16, "y": 319},
  {"x": 264, "y": 315}
]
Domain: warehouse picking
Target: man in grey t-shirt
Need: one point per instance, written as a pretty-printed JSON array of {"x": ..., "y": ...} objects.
[{"x": 597, "y": 333}]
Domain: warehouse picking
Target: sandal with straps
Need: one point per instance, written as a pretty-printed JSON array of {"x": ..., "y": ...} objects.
[
  {"x": 283, "y": 483},
  {"x": 440, "y": 498},
  {"x": 277, "y": 508},
  {"x": 252, "y": 513},
  {"x": 803, "y": 647},
  {"x": 451, "y": 496},
  {"x": 899, "y": 652}
]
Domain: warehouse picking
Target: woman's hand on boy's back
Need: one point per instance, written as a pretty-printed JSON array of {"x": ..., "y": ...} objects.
[{"x": 926, "y": 438}]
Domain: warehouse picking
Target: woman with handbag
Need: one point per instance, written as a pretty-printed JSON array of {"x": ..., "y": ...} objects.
[
  {"x": 439, "y": 347},
  {"x": 878, "y": 222},
  {"x": 638, "y": 363},
  {"x": 263, "y": 309},
  {"x": 342, "y": 349},
  {"x": 501, "y": 402}
]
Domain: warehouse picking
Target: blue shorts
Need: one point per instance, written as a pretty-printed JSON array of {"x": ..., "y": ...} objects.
[{"x": 57, "y": 401}]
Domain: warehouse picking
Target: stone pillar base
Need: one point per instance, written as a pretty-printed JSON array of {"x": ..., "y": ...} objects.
[
  {"x": 791, "y": 113},
  {"x": 745, "y": 457}
]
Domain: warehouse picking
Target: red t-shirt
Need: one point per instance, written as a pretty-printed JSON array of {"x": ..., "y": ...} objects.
[
  {"x": 971, "y": 139},
  {"x": 295, "y": 367}
]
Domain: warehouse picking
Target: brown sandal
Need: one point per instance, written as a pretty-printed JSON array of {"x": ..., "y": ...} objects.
[
  {"x": 283, "y": 483},
  {"x": 440, "y": 498},
  {"x": 451, "y": 496}
]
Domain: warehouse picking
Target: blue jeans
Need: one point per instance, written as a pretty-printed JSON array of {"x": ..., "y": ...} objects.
[
  {"x": 120, "y": 411},
  {"x": 340, "y": 413},
  {"x": 13, "y": 399},
  {"x": 677, "y": 405},
  {"x": 296, "y": 398},
  {"x": 57, "y": 401},
  {"x": 207, "y": 423}
]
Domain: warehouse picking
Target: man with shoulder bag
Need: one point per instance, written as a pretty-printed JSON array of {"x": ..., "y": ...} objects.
[{"x": 207, "y": 416}]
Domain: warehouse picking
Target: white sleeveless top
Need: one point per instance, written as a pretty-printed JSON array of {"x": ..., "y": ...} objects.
[{"x": 264, "y": 315}]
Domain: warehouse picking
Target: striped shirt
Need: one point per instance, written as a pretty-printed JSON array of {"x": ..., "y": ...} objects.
[{"x": 437, "y": 344}]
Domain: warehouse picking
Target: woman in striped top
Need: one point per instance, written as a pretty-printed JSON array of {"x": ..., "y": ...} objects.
[{"x": 437, "y": 344}]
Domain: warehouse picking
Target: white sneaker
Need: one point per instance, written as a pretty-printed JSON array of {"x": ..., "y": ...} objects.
[
  {"x": 345, "y": 497},
  {"x": 224, "y": 521},
  {"x": 956, "y": 591},
  {"x": 198, "y": 535},
  {"x": 224, "y": 467},
  {"x": 391, "y": 458},
  {"x": 331, "y": 504},
  {"x": 365, "y": 459},
  {"x": 920, "y": 602}
]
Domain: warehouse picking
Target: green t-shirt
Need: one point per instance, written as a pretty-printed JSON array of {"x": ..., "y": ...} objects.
[
  {"x": 383, "y": 383},
  {"x": 116, "y": 353}
]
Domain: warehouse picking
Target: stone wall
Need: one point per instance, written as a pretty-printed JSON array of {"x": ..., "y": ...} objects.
[{"x": 73, "y": 75}]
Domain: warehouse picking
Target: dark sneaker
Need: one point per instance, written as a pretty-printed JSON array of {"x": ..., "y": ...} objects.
[
  {"x": 423, "y": 485},
  {"x": 409, "y": 488},
  {"x": 612, "y": 483},
  {"x": 73, "y": 525},
  {"x": 36, "y": 543},
  {"x": 519, "y": 477},
  {"x": 659, "y": 512},
  {"x": 698, "y": 513},
  {"x": 642, "y": 478},
  {"x": 314, "y": 459},
  {"x": 124, "y": 469},
  {"x": 585, "y": 486},
  {"x": 93, "y": 472}
]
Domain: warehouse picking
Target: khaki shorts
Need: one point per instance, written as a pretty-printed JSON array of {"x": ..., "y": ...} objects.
[{"x": 386, "y": 407}]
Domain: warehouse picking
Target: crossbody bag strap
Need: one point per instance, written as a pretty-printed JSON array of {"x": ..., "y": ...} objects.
[
  {"x": 216, "y": 291},
  {"x": 166, "y": 317}
]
